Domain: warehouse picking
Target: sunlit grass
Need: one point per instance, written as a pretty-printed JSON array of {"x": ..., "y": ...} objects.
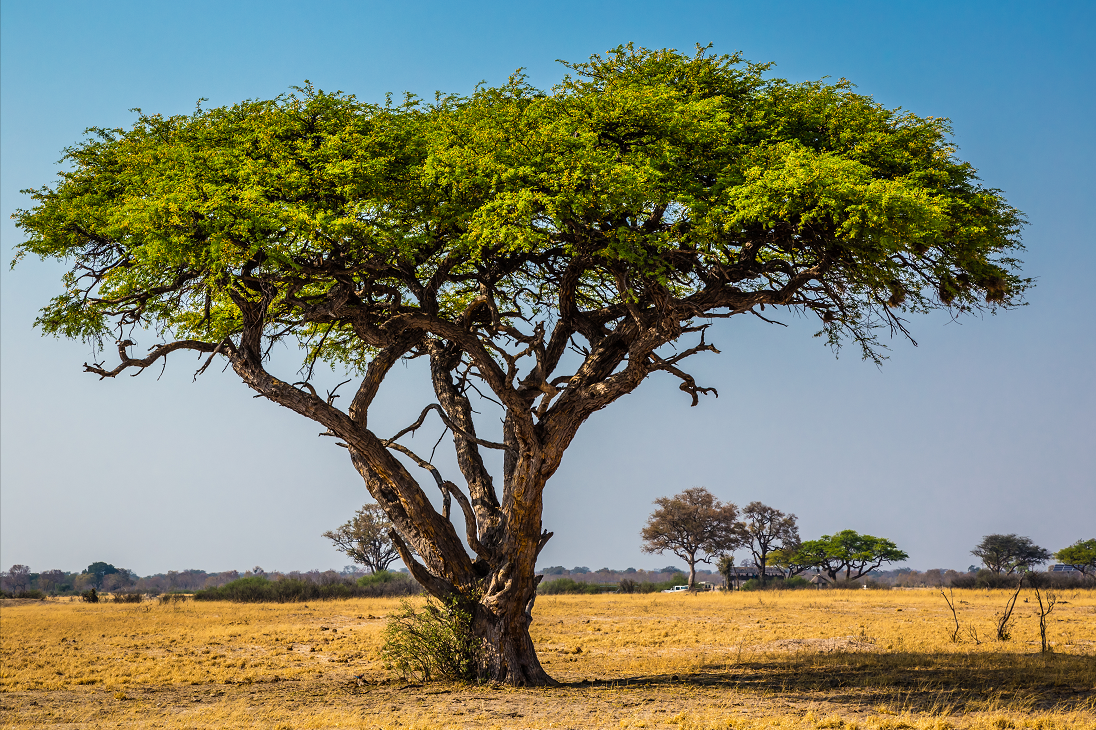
[{"x": 805, "y": 659}]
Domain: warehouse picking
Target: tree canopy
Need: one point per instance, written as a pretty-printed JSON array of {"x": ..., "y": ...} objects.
[
  {"x": 364, "y": 539},
  {"x": 766, "y": 530},
  {"x": 847, "y": 551},
  {"x": 1081, "y": 555},
  {"x": 693, "y": 525},
  {"x": 1009, "y": 553},
  {"x": 545, "y": 251}
]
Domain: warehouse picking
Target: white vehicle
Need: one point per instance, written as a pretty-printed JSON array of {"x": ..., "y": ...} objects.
[{"x": 676, "y": 589}]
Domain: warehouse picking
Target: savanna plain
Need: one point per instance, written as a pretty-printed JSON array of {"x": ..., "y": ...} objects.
[{"x": 791, "y": 659}]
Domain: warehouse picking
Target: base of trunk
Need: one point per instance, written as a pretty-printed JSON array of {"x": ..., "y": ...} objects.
[{"x": 509, "y": 654}]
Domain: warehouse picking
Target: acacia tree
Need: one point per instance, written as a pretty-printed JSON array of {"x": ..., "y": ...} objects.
[
  {"x": 365, "y": 538},
  {"x": 543, "y": 251},
  {"x": 693, "y": 525},
  {"x": 847, "y": 551},
  {"x": 1081, "y": 556},
  {"x": 1009, "y": 553},
  {"x": 765, "y": 530}
]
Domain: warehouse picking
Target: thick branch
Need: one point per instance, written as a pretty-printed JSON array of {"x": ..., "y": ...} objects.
[{"x": 154, "y": 354}]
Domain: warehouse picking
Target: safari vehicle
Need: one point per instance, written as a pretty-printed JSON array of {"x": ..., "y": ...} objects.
[{"x": 700, "y": 586}]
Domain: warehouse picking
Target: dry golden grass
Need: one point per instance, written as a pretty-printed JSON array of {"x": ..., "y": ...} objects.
[{"x": 831, "y": 659}]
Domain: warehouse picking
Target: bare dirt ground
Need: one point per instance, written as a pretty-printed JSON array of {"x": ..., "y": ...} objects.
[{"x": 857, "y": 659}]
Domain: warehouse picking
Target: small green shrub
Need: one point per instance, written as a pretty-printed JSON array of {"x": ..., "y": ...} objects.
[
  {"x": 90, "y": 596},
  {"x": 567, "y": 586},
  {"x": 435, "y": 643},
  {"x": 776, "y": 584}
]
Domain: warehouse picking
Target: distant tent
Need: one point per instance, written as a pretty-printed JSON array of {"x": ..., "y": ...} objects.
[{"x": 819, "y": 581}]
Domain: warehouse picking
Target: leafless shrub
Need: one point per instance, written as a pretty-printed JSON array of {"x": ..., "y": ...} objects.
[
  {"x": 1044, "y": 611},
  {"x": 1005, "y": 617}
]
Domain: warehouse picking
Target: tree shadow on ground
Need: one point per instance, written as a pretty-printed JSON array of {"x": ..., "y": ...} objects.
[{"x": 914, "y": 682}]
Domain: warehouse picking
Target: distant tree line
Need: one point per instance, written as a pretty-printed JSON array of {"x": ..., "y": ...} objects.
[
  {"x": 699, "y": 528},
  {"x": 105, "y": 578}
]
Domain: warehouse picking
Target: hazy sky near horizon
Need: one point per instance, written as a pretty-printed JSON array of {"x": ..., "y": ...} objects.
[{"x": 986, "y": 426}]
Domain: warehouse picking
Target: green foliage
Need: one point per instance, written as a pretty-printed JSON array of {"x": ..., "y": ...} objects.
[
  {"x": 1081, "y": 555},
  {"x": 434, "y": 643},
  {"x": 793, "y": 583},
  {"x": 100, "y": 570},
  {"x": 90, "y": 596},
  {"x": 257, "y": 589},
  {"x": 567, "y": 585},
  {"x": 847, "y": 551},
  {"x": 677, "y": 168},
  {"x": 381, "y": 577}
]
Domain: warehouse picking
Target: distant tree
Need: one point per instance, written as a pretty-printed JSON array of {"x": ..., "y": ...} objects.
[
  {"x": 98, "y": 571},
  {"x": 693, "y": 525},
  {"x": 1009, "y": 553},
  {"x": 1081, "y": 555},
  {"x": 365, "y": 539},
  {"x": 848, "y": 551},
  {"x": 764, "y": 530},
  {"x": 83, "y": 582},
  {"x": 50, "y": 580},
  {"x": 725, "y": 566},
  {"x": 554, "y": 570},
  {"x": 19, "y": 578},
  {"x": 580, "y": 569},
  {"x": 120, "y": 579}
]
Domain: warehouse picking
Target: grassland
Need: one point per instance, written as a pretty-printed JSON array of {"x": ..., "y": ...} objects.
[{"x": 804, "y": 659}]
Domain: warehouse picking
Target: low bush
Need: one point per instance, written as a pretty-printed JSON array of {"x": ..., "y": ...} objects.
[
  {"x": 568, "y": 586},
  {"x": 90, "y": 596},
  {"x": 628, "y": 585},
  {"x": 127, "y": 597},
  {"x": 777, "y": 584},
  {"x": 257, "y": 589},
  {"x": 435, "y": 643},
  {"x": 989, "y": 579},
  {"x": 35, "y": 594}
]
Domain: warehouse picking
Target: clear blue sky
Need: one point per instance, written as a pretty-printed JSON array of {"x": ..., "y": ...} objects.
[{"x": 987, "y": 426}]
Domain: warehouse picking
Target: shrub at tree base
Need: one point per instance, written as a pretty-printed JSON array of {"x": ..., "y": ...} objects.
[
  {"x": 435, "y": 643},
  {"x": 257, "y": 589}
]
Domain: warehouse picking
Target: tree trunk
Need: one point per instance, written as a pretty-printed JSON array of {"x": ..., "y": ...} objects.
[
  {"x": 692, "y": 571},
  {"x": 508, "y": 649}
]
